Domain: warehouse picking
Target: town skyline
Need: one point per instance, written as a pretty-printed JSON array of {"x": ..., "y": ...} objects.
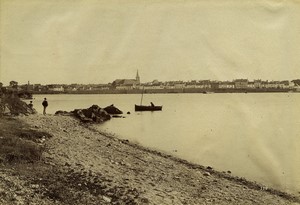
[
  {"x": 94, "y": 41},
  {"x": 132, "y": 76},
  {"x": 135, "y": 86}
]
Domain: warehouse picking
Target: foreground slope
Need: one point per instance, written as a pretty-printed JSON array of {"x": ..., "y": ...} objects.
[{"x": 84, "y": 165}]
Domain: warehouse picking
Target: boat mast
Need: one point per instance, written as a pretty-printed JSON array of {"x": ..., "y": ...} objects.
[{"x": 142, "y": 96}]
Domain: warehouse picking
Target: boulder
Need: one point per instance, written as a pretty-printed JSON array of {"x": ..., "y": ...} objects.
[
  {"x": 61, "y": 112},
  {"x": 91, "y": 114},
  {"x": 78, "y": 113},
  {"x": 113, "y": 110}
]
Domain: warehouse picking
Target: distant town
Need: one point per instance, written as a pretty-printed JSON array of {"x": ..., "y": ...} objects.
[{"x": 125, "y": 86}]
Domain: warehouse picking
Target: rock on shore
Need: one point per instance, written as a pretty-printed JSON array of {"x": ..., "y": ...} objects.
[{"x": 92, "y": 114}]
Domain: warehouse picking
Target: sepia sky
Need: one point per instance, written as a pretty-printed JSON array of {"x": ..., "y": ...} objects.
[{"x": 95, "y": 41}]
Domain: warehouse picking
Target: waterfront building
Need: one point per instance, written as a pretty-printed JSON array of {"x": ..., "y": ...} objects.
[
  {"x": 101, "y": 87},
  {"x": 251, "y": 85},
  {"x": 257, "y": 83},
  {"x": 169, "y": 85},
  {"x": 203, "y": 84},
  {"x": 285, "y": 84},
  {"x": 190, "y": 85},
  {"x": 241, "y": 83},
  {"x": 179, "y": 85},
  {"x": 291, "y": 84},
  {"x": 127, "y": 84},
  {"x": 56, "y": 88},
  {"x": 226, "y": 85},
  {"x": 215, "y": 84}
]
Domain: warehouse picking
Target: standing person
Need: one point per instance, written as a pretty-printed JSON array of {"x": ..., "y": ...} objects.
[{"x": 45, "y": 105}]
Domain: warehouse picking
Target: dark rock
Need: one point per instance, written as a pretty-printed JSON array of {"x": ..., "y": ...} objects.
[
  {"x": 91, "y": 111},
  {"x": 61, "y": 112},
  {"x": 113, "y": 110},
  {"x": 91, "y": 114},
  {"x": 78, "y": 113},
  {"x": 96, "y": 113},
  {"x": 128, "y": 113}
]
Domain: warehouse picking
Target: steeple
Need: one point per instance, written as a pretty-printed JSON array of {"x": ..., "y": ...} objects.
[{"x": 137, "y": 78}]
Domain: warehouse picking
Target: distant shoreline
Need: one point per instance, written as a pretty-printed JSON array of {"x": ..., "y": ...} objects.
[{"x": 171, "y": 91}]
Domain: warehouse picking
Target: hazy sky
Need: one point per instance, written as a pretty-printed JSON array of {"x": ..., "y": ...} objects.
[{"x": 95, "y": 41}]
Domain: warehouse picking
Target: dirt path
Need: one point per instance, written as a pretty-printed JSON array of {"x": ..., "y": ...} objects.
[{"x": 114, "y": 171}]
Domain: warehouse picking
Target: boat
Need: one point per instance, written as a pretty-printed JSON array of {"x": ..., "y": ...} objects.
[
  {"x": 151, "y": 107},
  {"x": 147, "y": 108}
]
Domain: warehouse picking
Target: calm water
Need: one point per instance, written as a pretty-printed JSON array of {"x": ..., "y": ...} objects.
[{"x": 256, "y": 136}]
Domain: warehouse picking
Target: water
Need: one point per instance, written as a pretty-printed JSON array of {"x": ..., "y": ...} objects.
[{"x": 255, "y": 136}]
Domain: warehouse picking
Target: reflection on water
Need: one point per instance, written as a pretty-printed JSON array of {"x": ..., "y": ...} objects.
[{"x": 253, "y": 135}]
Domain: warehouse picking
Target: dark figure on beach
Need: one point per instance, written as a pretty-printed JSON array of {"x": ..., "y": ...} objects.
[
  {"x": 30, "y": 105},
  {"x": 152, "y": 104},
  {"x": 45, "y": 105}
]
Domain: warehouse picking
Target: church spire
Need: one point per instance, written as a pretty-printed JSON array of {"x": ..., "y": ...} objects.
[{"x": 137, "y": 78}]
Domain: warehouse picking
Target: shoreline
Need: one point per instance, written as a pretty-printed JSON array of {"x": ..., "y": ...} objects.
[
  {"x": 195, "y": 166},
  {"x": 170, "y": 91},
  {"x": 155, "y": 177}
]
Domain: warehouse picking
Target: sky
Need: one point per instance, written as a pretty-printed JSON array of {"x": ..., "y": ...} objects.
[{"x": 96, "y": 41}]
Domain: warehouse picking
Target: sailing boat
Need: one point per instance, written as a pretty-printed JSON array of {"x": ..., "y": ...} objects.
[{"x": 151, "y": 107}]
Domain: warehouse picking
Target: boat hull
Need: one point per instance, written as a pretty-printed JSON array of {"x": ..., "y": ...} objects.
[{"x": 147, "y": 108}]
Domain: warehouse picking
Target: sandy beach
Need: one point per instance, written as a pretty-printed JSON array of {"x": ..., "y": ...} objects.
[{"x": 82, "y": 165}]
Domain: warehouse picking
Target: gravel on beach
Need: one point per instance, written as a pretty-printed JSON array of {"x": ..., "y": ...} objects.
[{"x": 83, "y": 165}]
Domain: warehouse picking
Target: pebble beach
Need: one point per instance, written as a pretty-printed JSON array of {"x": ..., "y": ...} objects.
[{"x": 102, "y": 169}]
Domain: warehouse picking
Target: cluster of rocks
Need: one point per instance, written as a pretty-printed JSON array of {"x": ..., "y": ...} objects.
[{"x": 93, "y": 113}]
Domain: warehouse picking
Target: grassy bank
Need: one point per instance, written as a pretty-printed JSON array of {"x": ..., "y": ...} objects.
[
  {"x": 28, "y": 177},
  {"x": 12, "y": 105},
  {"x": 19, "y": 143}
]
